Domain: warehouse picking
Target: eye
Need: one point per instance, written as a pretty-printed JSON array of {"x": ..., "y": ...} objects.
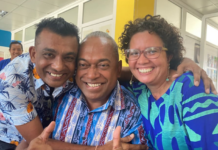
[
  {"x": 133, "y": 53},
  {"x": 152, "y": 51},
  {"x": 48, "y": 55},
  {"x": 70, "y": 59},
  {"x": 82, "y": 65},
  {"x": 103, "y": 65}
]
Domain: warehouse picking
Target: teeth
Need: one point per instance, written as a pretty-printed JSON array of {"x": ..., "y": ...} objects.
[
  {"x": 145, "y": 70},
  {"x": 56, "y": 75},
  {"x": 93, "y": 85}
]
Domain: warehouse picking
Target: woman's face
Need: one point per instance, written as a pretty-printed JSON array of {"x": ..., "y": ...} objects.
[{"x": 148, "y": 71}]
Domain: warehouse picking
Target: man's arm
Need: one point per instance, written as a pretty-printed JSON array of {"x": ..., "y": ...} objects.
[
  {"x": 31, "y": 129},
  {"x": 42, "y": 142},
  {"x": 186, "y": 65}
]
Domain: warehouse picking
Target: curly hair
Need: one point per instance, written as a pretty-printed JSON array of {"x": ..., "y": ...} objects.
[{"x": 168, "y": 33}]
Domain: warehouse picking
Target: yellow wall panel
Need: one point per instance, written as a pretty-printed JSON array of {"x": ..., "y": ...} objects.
[{"x": 130, "y": 10}]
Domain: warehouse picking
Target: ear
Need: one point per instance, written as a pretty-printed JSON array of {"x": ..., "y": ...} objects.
[
  {"x": 169, "y": 57},
  {"x": 119, "y": 69},
  {"x": 32, "y": 52}
]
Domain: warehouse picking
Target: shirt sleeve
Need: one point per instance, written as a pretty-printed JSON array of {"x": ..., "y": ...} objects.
[
  {"x": 16, "y": 94},
  {"x": 132, "y": 121},
  {"x": 200, "y": 116}
]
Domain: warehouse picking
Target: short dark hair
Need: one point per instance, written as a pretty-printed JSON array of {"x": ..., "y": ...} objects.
[
  {"x": 58, "y": 26},
  {"x": 168, "y": 33},
  {"x": 16, "y": 42}
]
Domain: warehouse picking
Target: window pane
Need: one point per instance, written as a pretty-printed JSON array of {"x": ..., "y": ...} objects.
[
  {"x": 92, "y": 8},
  {"x": 212, "y": 35},
  {"x": 30, "y": 33},
  {"x": 70, "y": 15},
  {"x": 193, "y": 25},
  {"x": 18, "y": 36},
  {"x": 169, "y": 11}
]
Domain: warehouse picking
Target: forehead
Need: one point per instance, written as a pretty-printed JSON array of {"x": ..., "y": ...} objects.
[
  {"x": 96, "y": 48},
  {"x": 145, "y": 39},
  {"x": 51, "y": 40},
  {"x": 15, "y": 46}
]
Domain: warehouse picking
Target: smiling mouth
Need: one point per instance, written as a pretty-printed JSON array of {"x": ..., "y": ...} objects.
[
  {"x": 145, "y": 70},
  {"x": 93, "y": 85},
  {"x": 55, "y": 75}
]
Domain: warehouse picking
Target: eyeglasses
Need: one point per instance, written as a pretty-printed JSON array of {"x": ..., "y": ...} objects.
[{"x": 149, "y": 52}]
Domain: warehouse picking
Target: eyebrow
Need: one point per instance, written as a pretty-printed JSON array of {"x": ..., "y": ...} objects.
[
  {"x": 100, "y": 60},
  {"x": 54, "y": 51}
]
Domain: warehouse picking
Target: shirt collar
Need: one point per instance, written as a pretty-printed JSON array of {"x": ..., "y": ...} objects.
[{"x": 116, "y": 100}]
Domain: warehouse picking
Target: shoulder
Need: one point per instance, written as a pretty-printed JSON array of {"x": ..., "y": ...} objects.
[
  {"x": 185, "y": 84},
  {"x": 129, "y": 97}
]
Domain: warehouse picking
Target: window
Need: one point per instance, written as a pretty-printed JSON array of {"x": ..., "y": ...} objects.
[
  {"x": 18, "y": 36},
  {"x": 212, "y": 35},
  {"x": 92, "y": 8},
  {"x": 170, "y": 12},
  {"x": 70, "y": 15},
  {"x": 193, "y": 25},
  {"x": 30, "y": 33}
]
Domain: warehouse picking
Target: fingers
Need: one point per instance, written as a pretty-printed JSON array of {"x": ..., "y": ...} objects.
[
  {"x": 197, "y": 76},
  {"x": 208, "y": 84},
  {"x": 134, "y": 147},
  {"x": 127, "y": 138},
  {"x": 116, "y": 139},
  {"x": 47, "y": 131}
]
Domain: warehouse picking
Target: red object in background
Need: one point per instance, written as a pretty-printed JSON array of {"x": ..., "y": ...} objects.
[{"x": 1, "y": 58}]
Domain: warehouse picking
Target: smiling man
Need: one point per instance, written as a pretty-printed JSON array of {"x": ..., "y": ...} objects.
[
  {"x": 15, "y": 49},
  {"x": 88, "y": 114},
  {"x": 31, "y": 81}
]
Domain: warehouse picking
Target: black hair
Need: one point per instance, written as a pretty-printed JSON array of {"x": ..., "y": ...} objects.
[
  {"x": 16, "y": 42},
  {"x": 168, "y": 33},
  {"x": 58, "y": 26}
]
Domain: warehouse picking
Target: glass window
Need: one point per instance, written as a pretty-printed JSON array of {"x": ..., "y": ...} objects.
[
  {"x": 92, "y": 8},
  {"x": 193, "y": 25},
  {"x": 70, "y": 15},
  {"x": 212, "y": 35},
  {"x": 30, "y": 33},
  {"x": 18, "y": 36},
  {"x": 169, "y": 11}
]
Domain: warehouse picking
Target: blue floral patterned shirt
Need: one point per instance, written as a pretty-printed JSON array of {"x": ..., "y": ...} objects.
[
  {"x": 23, "y": 95},
  {"x": 76, "y": 124}
]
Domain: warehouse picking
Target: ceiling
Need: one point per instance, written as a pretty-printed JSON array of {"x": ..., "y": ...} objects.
[
  {"x": 204, "y": 7},
  {"x": 22, "y": 12}
]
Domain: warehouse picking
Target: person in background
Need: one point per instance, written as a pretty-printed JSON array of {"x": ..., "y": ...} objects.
[
  {"x": 15, "y": 49},
  {"x": 176, "y": 114}
]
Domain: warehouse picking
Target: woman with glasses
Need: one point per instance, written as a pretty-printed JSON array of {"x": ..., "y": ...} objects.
[{"x": 176, "y": 114}]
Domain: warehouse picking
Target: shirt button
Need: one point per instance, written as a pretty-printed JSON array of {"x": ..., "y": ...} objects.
[{"x": 83, "y": 138}]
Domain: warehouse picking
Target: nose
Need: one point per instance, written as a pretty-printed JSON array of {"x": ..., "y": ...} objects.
[
  {"x": 142, "y": 59},
  {"x": 93, "y": 73},
  {"x": 58, "y": 64}
]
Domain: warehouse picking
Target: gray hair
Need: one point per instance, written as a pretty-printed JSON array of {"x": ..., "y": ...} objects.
[{"x": 104, "y": 35}]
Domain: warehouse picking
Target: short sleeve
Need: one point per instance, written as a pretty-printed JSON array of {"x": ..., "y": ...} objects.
[
  {"x": 16, "y": 93},
  {"x": 200, "y": 113}
]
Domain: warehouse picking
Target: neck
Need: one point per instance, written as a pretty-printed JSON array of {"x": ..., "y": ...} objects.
[
  {"x": 161, "y": 87},
  {"x": 95, "y": 103}
]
